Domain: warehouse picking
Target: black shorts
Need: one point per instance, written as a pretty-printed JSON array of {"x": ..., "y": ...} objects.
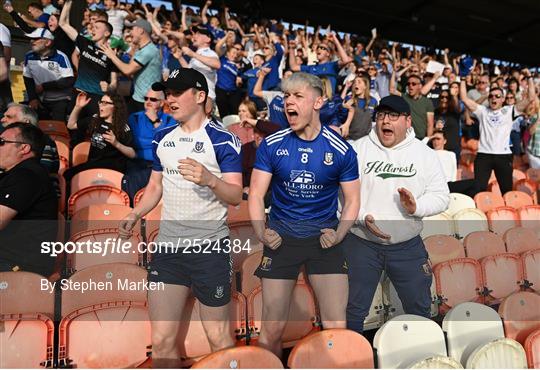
[
  {"x": 286, "y": 261},
  {"x": 209, "y": 275}
]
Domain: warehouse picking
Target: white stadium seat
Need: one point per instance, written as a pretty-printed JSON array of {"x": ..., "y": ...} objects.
[{"x": 498, "y": 354}]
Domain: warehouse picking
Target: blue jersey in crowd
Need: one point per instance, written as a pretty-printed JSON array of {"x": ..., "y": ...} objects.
[
  {"x": 251, "y": 77},
  {"x": 306, "y": 176},
  {"x": 143, "y": 132},
  {"x": 329, "y": 70},
  {"x": 332, "y": 112},
  {"x": 271, "y": 81},
  {"x": 226, "y": 75}
]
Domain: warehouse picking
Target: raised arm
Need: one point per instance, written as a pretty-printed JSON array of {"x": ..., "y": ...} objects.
[
  {"x": 392, "y": 87},
  {"x": 343, "y": 57},
  {"x": 258, "y": 88},
  {"x": 469, "y": 103},
  {"x": 204, "y": 11},
  {"x": 531, "y": 93},
  {"x": 427, "y": 87},
  {"x": 63, "y": 22}
]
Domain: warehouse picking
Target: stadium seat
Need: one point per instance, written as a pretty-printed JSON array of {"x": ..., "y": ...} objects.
[
  {"x": 54, "y": 128},
  {"x": 96, "y": 177},
  {"x": 241, "y": 232},
  {"x": 520, "y": 315},
  {"x": 480, "y": 244},
  {"x": 192, "y": 341},
  {"x": 248, "y": 281},
  {"x": 518, "y": 175},
  {"x": 243, "y": 357},
  {"x": 502, "y": 219},
  {"x": 458, "y": 281},
  {"x": 533, "y": 174},
  {"x": 531, "y": 269},
  {"x": 469, "y": 325},
  {"x": 467, "y": 157},
  {"x": 486, "y": 201},
  {"x": 517, "y": 199},
  {"x": 101, "y": 194},
  {"x": 443, "y": 248},
  {"x": 98, "y": 216},
  {"x": 151, "y": 222},
  {"x": 27, "y": 329},
  {"x": 529, "y": 217},
  {"x": 112, "y": 249},
  {"x": 527, "y": 186},
  {"x": 436, "y": 362},
  {"x": 459, "y": 202},
  {"x": 332, "y": 349},
  {"x": 532, "y": 349},
  {"x": 245, "y": 134},
  {"x": 494, "y": 188},
  {"x": 440, "y": 224},
  {"x": 63, "y": 155},
  {"x": 302, "y": 319},
  {"x": 80, "y": 153},
  {"x": 501, "y": 353},
  {"x": 407, "y": 339},
  {"x": 520, "y": 239},
  {"x": 391, "y": 304},
  {"x": 375, "y": 317},
  {"x": 502, "y": 275},
  {"x": 230, "y": 119},
  {"x": 138, "y": 196},
  {"x": 468, "y": 221},
  {"x": 106, "y": 328}
]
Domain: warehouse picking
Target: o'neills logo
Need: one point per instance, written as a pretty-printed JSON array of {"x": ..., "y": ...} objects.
[{"x": 386, "y": 170}]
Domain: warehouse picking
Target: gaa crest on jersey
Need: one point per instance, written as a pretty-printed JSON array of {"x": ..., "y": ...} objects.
[
  {"x": 199, "y": 147},
  {"x": 219, "y": 292},
  {"x": 265, "y": 263},
  {"x": 52, "y": 66},
  {"x": 328, "y": 158}
]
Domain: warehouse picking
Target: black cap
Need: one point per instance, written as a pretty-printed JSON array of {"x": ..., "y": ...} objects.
[
  {"x": 182, "y": 79},
  {"x": 395, "y": 103},
  {"x": 203, "y": 30}
]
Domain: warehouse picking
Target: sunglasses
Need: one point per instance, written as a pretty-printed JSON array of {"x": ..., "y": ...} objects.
[
  {"x": 444, "y": 97},
  {"x": 322, "y": 48},
  {"x": 153, "y": 100},
  {"x": 494, "y": 96},
  {"x": 4, "y": 141},
  {"x": 103, "y": 102}
]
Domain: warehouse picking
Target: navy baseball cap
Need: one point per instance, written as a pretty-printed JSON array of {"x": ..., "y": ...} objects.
[
  {"x": 203, "y": 30},
  {"x": 183, "y": 79},
  {"x": 395, "y": 103}
]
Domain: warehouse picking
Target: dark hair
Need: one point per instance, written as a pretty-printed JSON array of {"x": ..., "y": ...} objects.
[
  {"x": 497, "y": 88},
  {"x": 119, "y": 116},
  {"x": 452, "y": 107},
  {"x": 440, "y": 132},
  {"x": 36, "y": 5},
  {"x": 108, "y": 25},
  {"x": 31, "y": 135}
]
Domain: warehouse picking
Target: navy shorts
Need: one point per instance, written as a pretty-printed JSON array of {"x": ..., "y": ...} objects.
[
  {"x": 285, "y": 262},
  {"x": 209, "y": 275}
]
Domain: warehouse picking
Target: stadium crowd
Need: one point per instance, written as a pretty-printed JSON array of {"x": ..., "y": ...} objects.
[{"x": 348, "y": 107}]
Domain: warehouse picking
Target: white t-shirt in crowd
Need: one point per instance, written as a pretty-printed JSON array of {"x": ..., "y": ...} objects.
[
  {"x": 208, "y": 72},
  {"x": 116, "y": 19},
  {"x": 448, "y": 163},
  {"x": 5, "y": 36},
  {"x": 495, "y": 128}
]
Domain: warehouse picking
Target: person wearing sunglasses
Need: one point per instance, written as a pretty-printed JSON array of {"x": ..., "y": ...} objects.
[
  {"x": 28, "y": 202},
  {"x": 144, "y": 125},
  {"x": 111, "y": 139},
  {"x": 496, "y": 121},
  {"x": 325, "y": 66},
  {"x": 402, "y": 181},
  {"x": 449, "y": 111}
]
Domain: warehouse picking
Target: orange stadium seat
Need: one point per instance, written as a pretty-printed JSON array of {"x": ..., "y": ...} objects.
[
  {"x": 104, "y": 238},
  {"x": 486, "y": 201},
  {"x": 27, "y": 329},
  {"x": 530, "y": 217},
  {"x": 151, "y": 222},
  {"x": 248, "y": 281},
  {"x": 98, "y": 216},
  {"x": 96, "y": 177},
  {"x": 54, "y": 128},
  {"x": 533, "y": 174},
  {"x": 520, "y": 315},
  {"x": 520, "y": 239},
  {"x": 192, "y": 340},
  {"x": 241, "y": 232},
  {"x": 518, "y": 175},
  {"x": 502, "y": 275},
  {"x": 532, "y": 349},
  {"x": 245, "y": 134},
  {"x": 332, "y": 349},
  {"x": 243, "y": 357},
  {"x": 108, "y": 328},
  {"x": 138, "y": 196},
  {"x": 458, "y": 281},
  {"x": 443, "y": 248},
  {"x": 480, "y": 244},
  {"x": 502, "y": 219},
  {"x": 101, "y": 194},
  {"x": 80, "y": 152},
  {"x": 63, "y": 155},
  {"x": 494, "y": 187},
  {"x": 517, "y": 199},
  {"x": 303, "y": 318},
  {"x": 469, "y": 220},
  {"x": 527, "y": 186},
  {"x": 531, "y": 269}
]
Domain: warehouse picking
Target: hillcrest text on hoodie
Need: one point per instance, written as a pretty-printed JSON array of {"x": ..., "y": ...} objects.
[{"x": 409, "y": 164}]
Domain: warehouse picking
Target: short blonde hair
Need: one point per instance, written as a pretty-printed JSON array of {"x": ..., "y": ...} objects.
[{"x": 301, "y": 79}]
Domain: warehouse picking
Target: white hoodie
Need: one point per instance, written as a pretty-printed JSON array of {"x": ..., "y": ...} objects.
[{"x": 411, "y": 165}]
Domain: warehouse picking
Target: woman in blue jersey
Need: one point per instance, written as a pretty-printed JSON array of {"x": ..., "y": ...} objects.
[
  {"x": 228, "y": 95},
  {"x": 332, "y": 112}
]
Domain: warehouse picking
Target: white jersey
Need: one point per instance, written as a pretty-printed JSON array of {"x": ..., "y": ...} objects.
[
  {"x": 191, "y": 211},
  {"x": 209, "y": 73},
  {"x": 495, "y": 128}
]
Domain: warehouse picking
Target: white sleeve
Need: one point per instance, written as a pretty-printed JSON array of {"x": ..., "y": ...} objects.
[
  {"x": 5, "y": 36},
  {"x": 268, "y": 96},
  {"x": 436, "y": 195},
  {"x": 479, "y": 112}
]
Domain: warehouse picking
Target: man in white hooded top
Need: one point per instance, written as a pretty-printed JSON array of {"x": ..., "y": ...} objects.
[{"x": 402, "y": 181}]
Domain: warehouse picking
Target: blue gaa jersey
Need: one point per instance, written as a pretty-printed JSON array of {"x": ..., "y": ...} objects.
[
  {"x": 305, "y": 180},
  {"x": 191, "y": 211}
]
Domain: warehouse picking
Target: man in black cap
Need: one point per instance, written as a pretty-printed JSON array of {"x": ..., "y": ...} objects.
[
  {"x": 402, "y": 181},
  {"x": 197, "y": 172}
]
